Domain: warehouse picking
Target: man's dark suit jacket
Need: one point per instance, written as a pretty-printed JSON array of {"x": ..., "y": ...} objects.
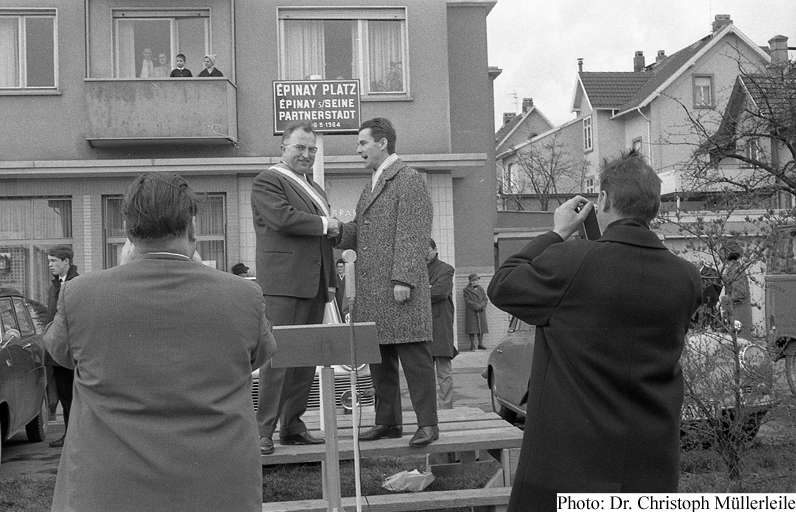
[
  {"x": 606, "y": 386},
  {"x": 291, "y": 246}
]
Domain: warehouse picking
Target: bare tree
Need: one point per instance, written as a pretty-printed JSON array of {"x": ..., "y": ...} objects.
[
  {"x": 547, "y": 172},
  {"x": 742, "y": 166}
]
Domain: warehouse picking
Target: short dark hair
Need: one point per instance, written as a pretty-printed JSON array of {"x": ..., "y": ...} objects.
[
  {"x": 158, "y": 206},
  {"x": 62, "y": 252},
  {"x": 633, "y": 187},
  {"x": 305, "y": 127},
  {"x": 381, "y": 128},
  {"x": 340, "y": 260},
  {"x": 181, "y": 55},
  {"x": 432, "y": 243}
]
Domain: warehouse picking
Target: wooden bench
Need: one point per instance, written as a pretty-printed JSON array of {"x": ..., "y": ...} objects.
[
  {"x": 492, "y": 497},
  {"x": 463, "y": 430}
]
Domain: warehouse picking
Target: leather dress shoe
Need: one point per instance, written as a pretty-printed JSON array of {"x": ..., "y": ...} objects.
[
  {"x": 266, "y": 445},
  {"x": 58, "y": 442},
  {"x": 302, "y": 438},
  {"x": 425, "y": 436},
  {"x": 382, "y": 431}
]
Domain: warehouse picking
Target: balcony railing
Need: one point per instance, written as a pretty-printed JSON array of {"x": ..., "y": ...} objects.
[{"x": 161, "y": 111}]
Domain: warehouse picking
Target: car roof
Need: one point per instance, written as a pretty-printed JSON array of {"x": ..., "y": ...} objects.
[{"x": 9, "y": 292}]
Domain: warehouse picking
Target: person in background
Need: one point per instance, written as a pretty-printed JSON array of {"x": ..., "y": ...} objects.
[
  {"x": 606, "y": 387},
  {"x": 440, "y": 281},
  {"x": 296, "y": 272},
  {"x": 181, "y": 71},
  {"x": 342, "y": 301},
  {"x": 239, "y": 269},
  {"x": 210, "y": 66},
  {"x": 163, "y": 349},
  {"x": 390, "y": 234},
  {"x": 60, "y": 262},
  {"x": 162, "y": 70},
  {"x": 147, "y": 66},
  {"x": 475, "y": 301}
]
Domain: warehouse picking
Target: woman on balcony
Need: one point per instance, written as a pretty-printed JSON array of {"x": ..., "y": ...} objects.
[{"x": 210, "y": 66}]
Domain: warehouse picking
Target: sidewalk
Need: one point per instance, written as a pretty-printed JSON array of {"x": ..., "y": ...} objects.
[{"x": 472, "y": 361}]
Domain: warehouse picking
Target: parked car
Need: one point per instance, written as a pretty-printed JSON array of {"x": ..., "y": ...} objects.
[
  {"x": 23, "y": 378},
  {"x": 342, "y": 383},
  {"x": 708, "y": 364}
]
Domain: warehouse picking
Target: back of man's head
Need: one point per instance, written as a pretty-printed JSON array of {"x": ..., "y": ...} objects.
[
  {"x": 381, "y": 128},
  {"x": 61, "y": 252},
  {"x": 158, "y": 206},
  {"x": 632, "y": 186}
]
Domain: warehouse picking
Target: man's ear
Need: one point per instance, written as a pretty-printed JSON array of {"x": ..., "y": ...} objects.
[
  {"x": 191, "y": 231},
  {"x": 604, "y": 200}
]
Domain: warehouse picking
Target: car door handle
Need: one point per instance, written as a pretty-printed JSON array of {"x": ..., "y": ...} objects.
[
  {"x": 28, "y": 345},
  {"x": 498, "y": 351}
]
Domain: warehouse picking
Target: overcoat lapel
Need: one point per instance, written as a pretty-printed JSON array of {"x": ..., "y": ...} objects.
[{"x": 388, "y": 174}]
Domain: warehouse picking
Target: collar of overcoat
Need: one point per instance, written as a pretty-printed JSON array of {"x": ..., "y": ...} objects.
[
  {"x": 386, "y": 175},
  {"x": 632, "y": 232}
]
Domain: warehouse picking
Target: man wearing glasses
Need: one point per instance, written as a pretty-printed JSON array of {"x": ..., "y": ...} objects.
[{"x": 295, "y": 269}]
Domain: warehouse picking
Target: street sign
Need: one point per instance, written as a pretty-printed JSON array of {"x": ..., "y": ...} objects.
[{"x": 332, "y": 106}]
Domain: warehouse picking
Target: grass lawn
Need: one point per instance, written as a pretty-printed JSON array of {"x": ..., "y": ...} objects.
[{"x": 768, "y": 468}]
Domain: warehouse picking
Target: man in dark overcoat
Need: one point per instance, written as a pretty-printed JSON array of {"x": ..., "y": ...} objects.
[
  {"x": 606, "y": 386},
  {"x": 440, "y": 281},
  {"x": 295, "y": 269},
  {"x": 390, "y": 234}
]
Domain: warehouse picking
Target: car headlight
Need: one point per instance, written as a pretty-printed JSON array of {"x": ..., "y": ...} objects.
[
  {"x": 753, "y": 357},
  {"x": 350, "y": 369}
]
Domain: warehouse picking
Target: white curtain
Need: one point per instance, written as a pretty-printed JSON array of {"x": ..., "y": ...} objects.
[
  {"x": 125, "y": 34},
  {"x": 304, "y": 49},
  {"x": 9, "y": 52},
  {"x": 385, "y": 50}
]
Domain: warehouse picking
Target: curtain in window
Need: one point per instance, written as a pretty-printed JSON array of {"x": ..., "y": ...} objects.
[
  {"x": 9, "y": 52},
  {"x": 125, "y": 34},
  {"x": 385, "y": 49},
  {"x": 52, "y": 218},
  {"x": 304, "y": 49},
  {"x": 14, "y": 219},
  {"x": 356, "y": 72}
]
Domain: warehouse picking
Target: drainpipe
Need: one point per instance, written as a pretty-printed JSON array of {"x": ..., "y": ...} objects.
[{"x": 649, "y": 135}]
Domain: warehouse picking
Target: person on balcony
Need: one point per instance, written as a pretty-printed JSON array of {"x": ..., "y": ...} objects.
[
  {"x": 181, "y": 71},
  {"x": 210, "y": 67},
  {"x": 162, "y": 70}
]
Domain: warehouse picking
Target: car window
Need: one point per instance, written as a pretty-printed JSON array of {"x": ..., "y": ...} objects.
[
  {"x": 7, "y": 316},
  {"x": 26, "y": 326}
]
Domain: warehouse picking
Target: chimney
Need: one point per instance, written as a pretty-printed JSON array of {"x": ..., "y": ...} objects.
[
  {"x": 580, "y": 64},
  {"x": 527, "y": 104},
  {"x": 508, "y": 116},
  {"x": 721, "y": 21},
  {"x": 638, "y": 62},
  {"x": 778, "y": 49},
  {"x": 661, "y": 56}
]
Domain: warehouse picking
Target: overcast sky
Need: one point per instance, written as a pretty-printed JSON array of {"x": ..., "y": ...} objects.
[{"x": 537, "y": 43}]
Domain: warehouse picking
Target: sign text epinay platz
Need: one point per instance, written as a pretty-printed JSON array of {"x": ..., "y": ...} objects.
[{"x": 332, "y": 106}]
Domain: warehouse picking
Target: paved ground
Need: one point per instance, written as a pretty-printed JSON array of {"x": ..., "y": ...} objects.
[{"x": 39, "y": 460}]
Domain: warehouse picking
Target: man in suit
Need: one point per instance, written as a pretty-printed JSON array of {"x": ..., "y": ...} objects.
[
  {"x": 163, "y": 349},
  {"x": 60, "y": 261},
  {"x": 390, "y": 233},
  {"x": 440, "y": 281},
  {"x": 342, "y": 301},
  {"x": 296, "y": 273},
  {"x": 606, "y": 386}
]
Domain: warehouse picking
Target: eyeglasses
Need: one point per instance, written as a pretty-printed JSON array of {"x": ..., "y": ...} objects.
[{"x": 302, "y": 148}]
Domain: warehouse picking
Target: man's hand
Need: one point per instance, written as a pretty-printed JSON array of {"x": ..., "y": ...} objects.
[
  {"x": 401, "y": 293},
  {"x": 331, "y": 294},
  {"x": 333, "y": 227},
  {"x": 567, "y": 219}
]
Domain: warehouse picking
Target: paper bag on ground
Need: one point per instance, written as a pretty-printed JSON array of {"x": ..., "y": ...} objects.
[{"x": 408, "y": 481}]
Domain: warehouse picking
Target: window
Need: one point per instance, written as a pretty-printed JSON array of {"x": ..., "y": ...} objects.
[
  {"x": 28, "y": 49},
  {"x": 364, "y": 43},
  {"x": 210, "y": 230},
  {"x": 512, "y": 178},
  {"x": 587, "y": 135},
  {"x": 753, "y": 151},
  {"x": 141, "y": 36},
  {"x": 589, "y": 186},
  {"x": 703, "y": 91},
  {"x": 28, "y": 227}
]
